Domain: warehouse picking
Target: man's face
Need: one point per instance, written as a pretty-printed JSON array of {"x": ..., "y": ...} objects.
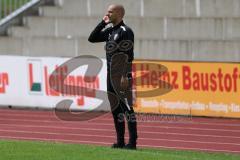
[{"x": 112, "y": 14}]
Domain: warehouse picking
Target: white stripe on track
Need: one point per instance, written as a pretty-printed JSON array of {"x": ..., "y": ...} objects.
[
  {"x": 165, "y": 127},
  {"x": 101, "y": 136},
  {"x": 110, "y": 119},
  {"x": 109, "y": 130}
]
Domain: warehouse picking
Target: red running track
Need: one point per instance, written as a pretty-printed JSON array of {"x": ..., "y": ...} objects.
[{"x": 189, "y": 133}]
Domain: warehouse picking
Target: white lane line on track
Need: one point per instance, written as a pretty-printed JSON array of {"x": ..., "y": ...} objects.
[
  {"x": 110, "y": 119},
  {"x": 109, "y": 130},
  {"x": 106, "y": 143},
  {"x": 189, "y": 122},
  {"x": 109, "y": 116},
  {"x": 54, "y": 133},
  {"x": 100, "y": 136},
  {"x": 165, "y": 127}
]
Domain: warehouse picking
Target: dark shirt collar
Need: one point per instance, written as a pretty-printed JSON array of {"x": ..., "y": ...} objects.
[{"x": 118, "y": 25}]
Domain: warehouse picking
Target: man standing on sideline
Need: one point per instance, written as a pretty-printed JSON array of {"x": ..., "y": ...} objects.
[{"x": 119, "y": 40}]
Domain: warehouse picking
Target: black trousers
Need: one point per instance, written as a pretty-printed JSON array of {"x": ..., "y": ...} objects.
[{"x": 122, "y": 110}]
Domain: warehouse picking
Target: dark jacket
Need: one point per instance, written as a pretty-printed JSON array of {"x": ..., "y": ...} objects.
[{"x": 119, "y": 41}]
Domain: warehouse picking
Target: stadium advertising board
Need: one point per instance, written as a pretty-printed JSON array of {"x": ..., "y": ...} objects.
[
  {"x": 201, "y": 89},
  {"x": 186, "y": 88},
  {"x": 25, "y": 82}
]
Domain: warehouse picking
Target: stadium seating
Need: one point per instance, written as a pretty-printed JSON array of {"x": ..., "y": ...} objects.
[{"x": 195, "y": 30}]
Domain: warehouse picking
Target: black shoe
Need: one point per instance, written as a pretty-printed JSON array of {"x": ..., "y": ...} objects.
[
  {"x": 130, "y": 146},
  {"x": 118, "y": 145}
]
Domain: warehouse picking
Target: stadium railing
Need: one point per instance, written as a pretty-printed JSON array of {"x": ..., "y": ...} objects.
[{"x": 12, "y": 11}]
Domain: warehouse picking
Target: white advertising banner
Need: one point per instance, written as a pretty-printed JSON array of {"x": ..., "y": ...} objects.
[{"x": 24, "y": 81}]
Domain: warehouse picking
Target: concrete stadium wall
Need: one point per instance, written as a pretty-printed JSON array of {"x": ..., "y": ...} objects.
[{"x": 194, "y": 30}]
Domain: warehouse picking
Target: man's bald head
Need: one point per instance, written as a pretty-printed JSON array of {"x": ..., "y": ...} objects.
[
  {"x": 115, "y": 13},
  {"x": 119, "y": 9}
]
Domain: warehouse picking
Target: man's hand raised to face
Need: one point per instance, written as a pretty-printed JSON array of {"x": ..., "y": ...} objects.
[{"x": 106, "y": 19}]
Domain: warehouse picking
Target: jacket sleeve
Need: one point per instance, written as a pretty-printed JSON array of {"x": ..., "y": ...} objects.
[{"x": 97, "y": 34}]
